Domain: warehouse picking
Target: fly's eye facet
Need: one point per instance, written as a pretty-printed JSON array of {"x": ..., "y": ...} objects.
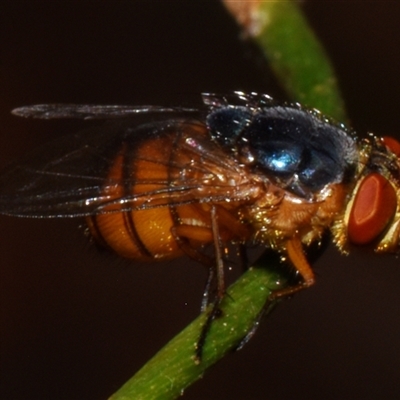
[
  {"x": 373, "y": 208},
  {"x": 392, "y": 144}
]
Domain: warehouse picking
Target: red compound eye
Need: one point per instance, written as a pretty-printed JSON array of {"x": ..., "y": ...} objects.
[
  {"x": 392, "y": 144},
  {"x": 373, "y": 208}
]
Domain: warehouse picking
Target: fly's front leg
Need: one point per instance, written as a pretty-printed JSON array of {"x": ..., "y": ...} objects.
[{"x": 295, "y": 253}]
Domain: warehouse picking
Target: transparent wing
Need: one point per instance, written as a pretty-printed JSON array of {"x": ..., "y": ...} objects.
[
  {"x": 70, "y": 177},
  {"x": 91, "y": 111}
]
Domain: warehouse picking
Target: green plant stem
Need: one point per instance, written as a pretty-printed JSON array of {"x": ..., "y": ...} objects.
[
  {"x": 293, "y": 52},
  {"x": 174, "y": 368}
]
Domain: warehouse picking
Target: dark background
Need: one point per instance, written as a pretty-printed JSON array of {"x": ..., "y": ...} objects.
[{"x": 76, "y": 323}]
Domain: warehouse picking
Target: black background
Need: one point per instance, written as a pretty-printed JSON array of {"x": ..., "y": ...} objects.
[{"x": 75, "y": 322}]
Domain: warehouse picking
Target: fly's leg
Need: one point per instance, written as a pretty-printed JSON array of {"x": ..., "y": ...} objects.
[
  {"x": 297, "y": 257},
  {"x": 207, "y": 289},
  {"x": 295, "y": 253},
  {"x": 268, "y": 307},
  {"x": 214, "y": 311},
  {"x": 184, "y": 233}
]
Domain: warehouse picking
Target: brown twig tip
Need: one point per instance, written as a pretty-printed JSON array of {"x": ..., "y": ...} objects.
[{"x": 247, "y": 14}]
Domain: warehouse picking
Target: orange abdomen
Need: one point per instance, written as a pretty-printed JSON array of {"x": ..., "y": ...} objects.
[{"x": 151, "y": 178}]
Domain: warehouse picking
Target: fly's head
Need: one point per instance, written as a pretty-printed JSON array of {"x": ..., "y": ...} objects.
[{"x": 372, "y": 214}]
